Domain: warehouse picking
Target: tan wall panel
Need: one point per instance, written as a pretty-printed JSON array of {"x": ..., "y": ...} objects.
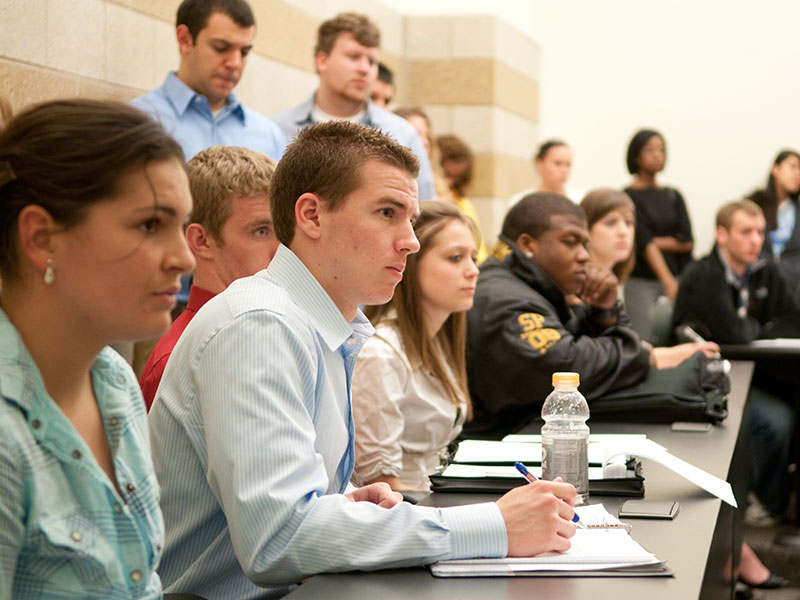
[
  {"x": 25, "y": 84},
  {"x": 469, "y": 81},
  {"x": 164, "y": 10},
  {"x": 451, "y": 81},
  {"x": 498, "y": 175},
  {"x": 516, "y": 92},
  {"x": 285, "y": 33}
]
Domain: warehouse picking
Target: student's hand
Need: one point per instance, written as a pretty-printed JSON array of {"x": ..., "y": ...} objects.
[
  {"x": 670, "y": 288},
  {"x": 378, "y": 493},
  {"x": 672, "y": 356},
  {"x": 601, "y": 288},
  {"x": 538, "y": 517}
]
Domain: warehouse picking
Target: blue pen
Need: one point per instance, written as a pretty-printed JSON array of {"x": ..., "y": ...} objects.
[{"x": 531, "y": 478}]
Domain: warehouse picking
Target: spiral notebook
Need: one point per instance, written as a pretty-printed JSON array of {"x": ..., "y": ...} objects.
[{"x": 603, "y": 547}]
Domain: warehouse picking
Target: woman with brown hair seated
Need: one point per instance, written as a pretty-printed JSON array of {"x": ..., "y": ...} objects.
[{"x": 93, "y": 198}]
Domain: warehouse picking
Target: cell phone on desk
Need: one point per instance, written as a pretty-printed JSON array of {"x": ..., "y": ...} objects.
[
  {"x": 690, "y": 426},
  {"x": 649, "y": 509}
]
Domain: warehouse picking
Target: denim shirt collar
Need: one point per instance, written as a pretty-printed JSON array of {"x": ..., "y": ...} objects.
[{"x": 301, "y": 115}]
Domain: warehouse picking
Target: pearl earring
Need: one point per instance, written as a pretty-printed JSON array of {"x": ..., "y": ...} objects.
[
  {"x": 49, "y": 273},
  {"x": 529, "y": 254}
]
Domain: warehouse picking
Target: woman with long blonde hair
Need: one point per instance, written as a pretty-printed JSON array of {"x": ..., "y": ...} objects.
[{"x": 409, "y": 389}]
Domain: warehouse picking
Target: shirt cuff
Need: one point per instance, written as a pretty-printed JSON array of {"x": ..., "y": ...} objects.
[{"x": 477, "y": 530}]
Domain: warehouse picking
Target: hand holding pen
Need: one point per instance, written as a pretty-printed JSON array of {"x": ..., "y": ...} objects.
[
  {"x": 538, "y": 517},
  {"x": 531, "y": 478}
]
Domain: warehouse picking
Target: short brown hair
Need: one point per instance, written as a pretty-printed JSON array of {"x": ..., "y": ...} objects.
[
  {"x": 365, "y": 31},
  {"x": 597, "y": 204},
  {"x": 196, "y": 13},
  {"x": 326, "y": 160},
  {"x": 67, "y": 155},
  {"x": 725, "y": 214},
  {"x": 448, "y": 347},
  {"x": 219, "y": 174}
]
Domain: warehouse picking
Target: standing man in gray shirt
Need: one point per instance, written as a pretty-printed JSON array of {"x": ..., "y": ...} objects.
[{"x": 346, "y": 59}]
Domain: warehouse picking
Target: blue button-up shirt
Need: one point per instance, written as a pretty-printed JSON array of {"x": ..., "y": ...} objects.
[
  {"x": 186, "y": 116},
  {"x": 294, "y": 119},
  {"x": 253, "y": 444},
  {"x": 64, "y": 530}
]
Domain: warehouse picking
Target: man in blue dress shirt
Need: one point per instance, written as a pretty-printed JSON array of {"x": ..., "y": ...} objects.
[
  {"x": 346, "y": 59},
  {"x": 252, "y": 430},
  {"x": 196, "y": 104}
]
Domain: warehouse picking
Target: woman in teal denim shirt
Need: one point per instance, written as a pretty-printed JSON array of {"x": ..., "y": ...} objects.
[{"x": 93, "y": 197}]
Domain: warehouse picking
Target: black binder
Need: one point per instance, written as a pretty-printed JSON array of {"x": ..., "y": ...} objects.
[{"x": 631, "y": 486}]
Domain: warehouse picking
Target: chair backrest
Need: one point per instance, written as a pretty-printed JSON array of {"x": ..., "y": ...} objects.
[{"x": 661, "y": 322}]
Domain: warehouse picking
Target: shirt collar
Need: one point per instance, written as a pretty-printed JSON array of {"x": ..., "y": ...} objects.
[
  {"x": 288, "y": 271},
  {"x": 302, "y": 113},
  {"x": 182, "y": 96},
  {"x": 731, "y": 277},
  {"x": 16, "y": 366},
  {"x": 22, "y": 383},
  {"x": 197, "y": 298}
]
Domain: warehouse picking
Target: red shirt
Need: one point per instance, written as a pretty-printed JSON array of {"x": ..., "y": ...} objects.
[{"x": 154, "y": 368}]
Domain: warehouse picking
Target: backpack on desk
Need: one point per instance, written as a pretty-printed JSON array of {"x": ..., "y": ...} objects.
[{"x": 695, "y": 390}]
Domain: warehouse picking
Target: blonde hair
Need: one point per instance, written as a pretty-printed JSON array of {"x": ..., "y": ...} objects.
[
  {"x": 726, "y": 212},
  {"x": 450, "y": 343},
  {"x": 219, "y": 174}
]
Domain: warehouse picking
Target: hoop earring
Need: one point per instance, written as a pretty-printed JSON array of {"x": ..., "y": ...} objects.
[{"x": 49, "y": 273}]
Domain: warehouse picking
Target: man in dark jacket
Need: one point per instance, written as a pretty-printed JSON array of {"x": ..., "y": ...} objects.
[
  {"x": 732, "y": 296},
  {"x": 522, "y": 329}
]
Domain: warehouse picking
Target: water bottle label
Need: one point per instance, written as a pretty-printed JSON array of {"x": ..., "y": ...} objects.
[{"x": 567, "y": 458}]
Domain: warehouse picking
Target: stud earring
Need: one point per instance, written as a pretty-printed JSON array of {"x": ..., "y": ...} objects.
[
  {"x": 529, "y": 254},
  {"x": 49, "y": 273}
]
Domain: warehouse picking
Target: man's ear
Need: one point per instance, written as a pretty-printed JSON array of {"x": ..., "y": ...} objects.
[
  {"x": 321, "y": 61},
  {"x": 201, "y": 242},
  {"x": 307, "y": 211},
  {"x": 722, "y": 236},
  {"x": 185, "y": 41},
  {"x": 528, "y": 245}
]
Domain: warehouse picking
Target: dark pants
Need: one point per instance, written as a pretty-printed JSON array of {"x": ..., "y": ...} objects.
[{"x": 771, "y": 421}]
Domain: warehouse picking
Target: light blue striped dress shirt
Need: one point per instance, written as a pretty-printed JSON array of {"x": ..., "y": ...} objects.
[
  {"x": 64, "y": 530},
  {"x": 253, "y": 445}
]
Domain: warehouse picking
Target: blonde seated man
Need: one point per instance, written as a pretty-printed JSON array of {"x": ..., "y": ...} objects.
[{"x": 230, "y": 235}]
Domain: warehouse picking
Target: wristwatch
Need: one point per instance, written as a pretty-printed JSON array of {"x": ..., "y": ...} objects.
[{"x": 605, "y": 314}]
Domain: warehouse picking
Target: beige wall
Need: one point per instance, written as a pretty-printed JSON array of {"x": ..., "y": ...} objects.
[
  {"x": 718, "y": 78},
  {"x": 475, "y": 74}
]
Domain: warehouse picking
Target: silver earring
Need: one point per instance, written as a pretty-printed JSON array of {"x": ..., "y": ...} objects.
[
  {"x": 49, "y": 273},
  {"x": 529, "y": 254}
]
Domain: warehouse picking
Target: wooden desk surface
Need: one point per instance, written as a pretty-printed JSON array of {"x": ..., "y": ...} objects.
[{"x": 685, "y": 543}]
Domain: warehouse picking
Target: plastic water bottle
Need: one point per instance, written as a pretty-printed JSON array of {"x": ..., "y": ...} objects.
[{"x": 565, "y": 435}]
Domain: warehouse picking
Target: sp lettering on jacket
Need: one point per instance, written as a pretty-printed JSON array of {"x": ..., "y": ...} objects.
[{"x": 540, "y": 338}]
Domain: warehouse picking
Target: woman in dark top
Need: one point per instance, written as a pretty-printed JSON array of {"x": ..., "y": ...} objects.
[
  {"x": 779, "y": 202},
  {"x": 663, "y": 231}
]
